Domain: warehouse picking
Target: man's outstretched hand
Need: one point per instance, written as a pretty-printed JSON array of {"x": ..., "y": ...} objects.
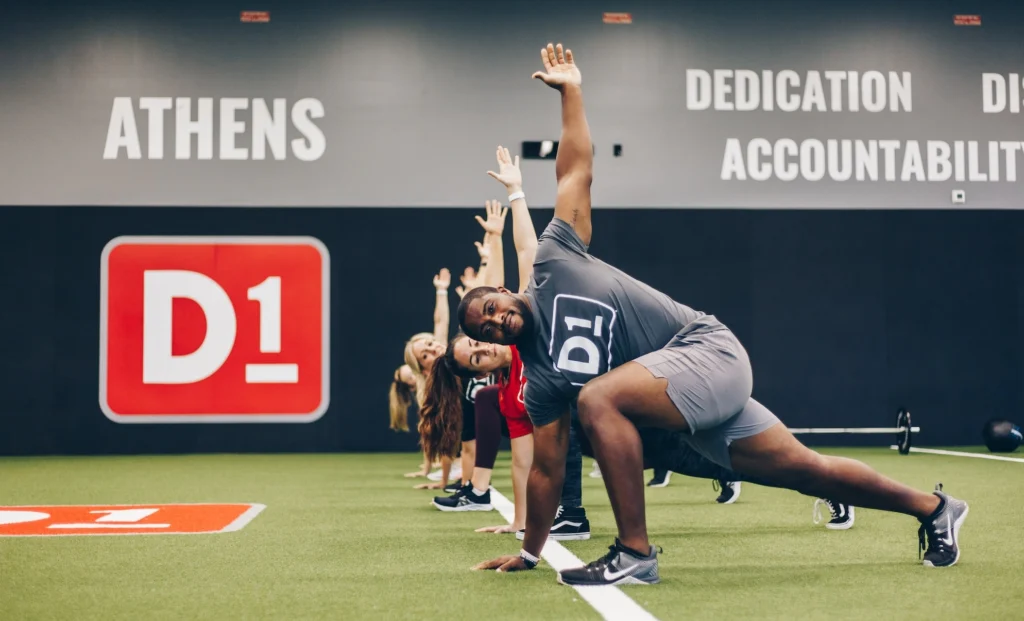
[
  {"x": 559, "y": 69},
  {"x": 504, "y": 564}
]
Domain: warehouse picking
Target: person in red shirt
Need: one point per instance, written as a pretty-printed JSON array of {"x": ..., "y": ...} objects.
[{"x": 513, "y": 406}]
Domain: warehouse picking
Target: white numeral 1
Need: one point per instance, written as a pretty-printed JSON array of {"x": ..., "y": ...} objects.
[
  {"x": 268, "y": 294},
  {"x": 117, "y": 518},
  {"x": 125, "y": 515}
]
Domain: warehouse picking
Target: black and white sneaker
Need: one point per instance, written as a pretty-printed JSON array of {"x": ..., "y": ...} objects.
[
  {"x": 660, "y": 478},
  {"x": 730, "y": 491},
  {"x": 569, "y": 525},
  {"x": 620, "y": 566},
  {"x": 842, "y": 515},
  {"x": 454, "y": 486},
  {"x": 464, "y": 500},
  {"x": 939, "y": 535}
]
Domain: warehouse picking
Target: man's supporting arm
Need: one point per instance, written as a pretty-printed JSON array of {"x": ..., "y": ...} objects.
[{"x": 547, "y": 474}]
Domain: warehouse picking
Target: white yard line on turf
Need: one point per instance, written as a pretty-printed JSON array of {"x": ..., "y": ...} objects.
[
  {"x": 959, "y": 454},
  {"x": 609, "y": 601}
]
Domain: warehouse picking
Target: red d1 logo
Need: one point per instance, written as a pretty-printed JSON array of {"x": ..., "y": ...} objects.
[{"x": 214, "y": 329}]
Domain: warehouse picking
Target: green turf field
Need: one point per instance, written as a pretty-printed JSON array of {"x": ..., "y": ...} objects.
[{"x": 345, "y": 537}]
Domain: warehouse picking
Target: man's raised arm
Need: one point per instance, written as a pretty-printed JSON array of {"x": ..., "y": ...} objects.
[{"x": 574, "y": 164}]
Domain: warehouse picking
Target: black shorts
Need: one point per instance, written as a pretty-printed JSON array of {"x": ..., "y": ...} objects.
[
  {"x": 670, "y": 450},
  {"x": 468, "y": 421}
]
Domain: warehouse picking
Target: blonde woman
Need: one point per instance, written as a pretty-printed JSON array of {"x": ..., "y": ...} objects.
[
  {"x": 420, "y": 352},
  {"x": 401, "y": 396}
]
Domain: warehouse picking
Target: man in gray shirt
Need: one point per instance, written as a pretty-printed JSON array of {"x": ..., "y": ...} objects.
[{"x": 633, "y": 357}]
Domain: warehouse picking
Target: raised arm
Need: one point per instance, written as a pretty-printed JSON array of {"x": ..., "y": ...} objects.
[
  {"x": 523, "y": 233},
  {"x": 574, "y": 163},
  {"x": 441, "y": 281},
  {"x": 473, "y": 278},
  {"x": 494, "y": 225}
]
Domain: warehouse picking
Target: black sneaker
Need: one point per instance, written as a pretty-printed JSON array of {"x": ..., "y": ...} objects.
[
  {"x": 620, "y": 566},
  {"x": 454, "y": 486},
  {"x": 569, "y": 525},
  {"x": 660, "y": 478},
  {"x": 842, "y": 515},
  {"x": 939, "y": 535},
  {"x": 730, "y": 491},
  {"x": 464, "y": 500}
]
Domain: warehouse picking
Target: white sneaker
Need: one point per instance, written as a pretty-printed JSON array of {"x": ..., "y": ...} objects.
[
  {"x": 596, "y": 472},
  {"x": 456, "y": 473}
]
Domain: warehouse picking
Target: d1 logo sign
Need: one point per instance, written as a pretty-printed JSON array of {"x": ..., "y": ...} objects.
[
  {"x": 178, "y": 519},
  {"x": 214, "y": 329}
]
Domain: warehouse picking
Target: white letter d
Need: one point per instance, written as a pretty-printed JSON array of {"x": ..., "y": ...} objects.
[{"x": 159, "y": 366}]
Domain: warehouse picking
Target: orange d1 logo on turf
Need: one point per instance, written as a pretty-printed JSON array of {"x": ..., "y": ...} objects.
[
  {"x": 214, "y": 329},
  {"x": 187, "y": 519}
]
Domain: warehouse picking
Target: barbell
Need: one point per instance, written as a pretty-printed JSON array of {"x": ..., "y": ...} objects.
[{"x": 904, "y": 430}]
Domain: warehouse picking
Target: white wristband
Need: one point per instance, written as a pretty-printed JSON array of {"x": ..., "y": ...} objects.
[
  {"x": 442, "y": 292},
  {"x": 516, "y": 196},
  {"x": 531, "y": 559}
]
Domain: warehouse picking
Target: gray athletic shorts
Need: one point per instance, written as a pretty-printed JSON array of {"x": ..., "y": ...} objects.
[{"x": 709, "y": 381}]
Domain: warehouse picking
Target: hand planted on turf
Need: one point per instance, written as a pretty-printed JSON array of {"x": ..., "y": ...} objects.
[
  {"x": 417, "y": 474},
  {"x": 559, "y": 69},
  {"x": 429, "y": 486},
  {"x": 504, "y": 528},
  {"x": 442, "y": 279},
  {"x": 495, "y": 222},
  {"x": 504, "y": 564},
  {"x": 508, "y": 173}
]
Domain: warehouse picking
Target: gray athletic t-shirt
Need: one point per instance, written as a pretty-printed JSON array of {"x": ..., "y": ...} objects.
[{"x": 590, "y": 318}]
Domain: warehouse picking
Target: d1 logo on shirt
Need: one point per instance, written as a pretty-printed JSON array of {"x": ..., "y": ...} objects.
[{"x": 581, "y": 338}]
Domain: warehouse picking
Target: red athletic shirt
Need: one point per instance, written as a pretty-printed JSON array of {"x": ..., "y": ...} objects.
[{"x": 511, "y": 397}]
